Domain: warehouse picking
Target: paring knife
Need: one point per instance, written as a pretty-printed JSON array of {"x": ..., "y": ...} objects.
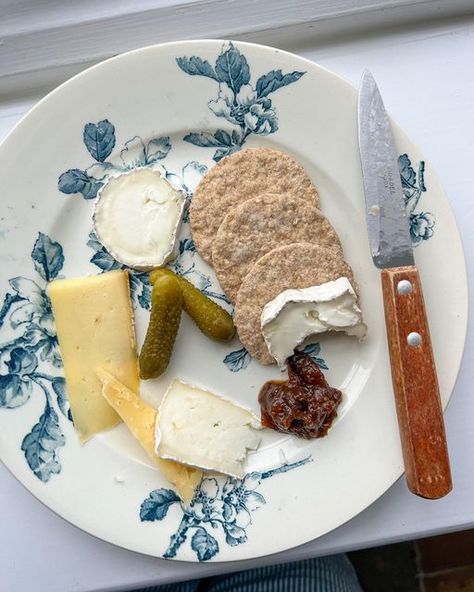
[{"x": 420, "y": 416}]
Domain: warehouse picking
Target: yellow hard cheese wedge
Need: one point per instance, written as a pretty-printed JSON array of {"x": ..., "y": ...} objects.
[
  {"x": 94, "y": 323},
  {"x": 140, "y": 418}
]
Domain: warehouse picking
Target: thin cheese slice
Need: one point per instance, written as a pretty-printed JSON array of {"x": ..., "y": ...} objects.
[
  {"x": 94, "y": 323},
  {"x": 140, "y": 418}
]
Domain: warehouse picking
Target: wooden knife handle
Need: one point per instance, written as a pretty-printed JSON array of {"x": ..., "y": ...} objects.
[{"x": 420, "y": 416}]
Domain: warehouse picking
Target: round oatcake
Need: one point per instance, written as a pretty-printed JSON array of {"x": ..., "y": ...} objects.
[
  {"x": 239, "y": 177},
  {"x": 259, "y": 225},
  {"x": 299, "y": 265}
]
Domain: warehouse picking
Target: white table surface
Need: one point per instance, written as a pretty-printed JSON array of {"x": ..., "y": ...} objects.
[{"x": 426, "y": 76}]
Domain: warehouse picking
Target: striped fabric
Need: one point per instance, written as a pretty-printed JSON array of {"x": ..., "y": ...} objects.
[{"x": 323, "y": 574}]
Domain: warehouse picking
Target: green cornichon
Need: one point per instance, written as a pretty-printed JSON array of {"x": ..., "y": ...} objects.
[
  {"x": 166, "y": 305},
  {"x": 212, "y": 319}
]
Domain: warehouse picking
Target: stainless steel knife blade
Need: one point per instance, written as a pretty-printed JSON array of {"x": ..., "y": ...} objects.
[
  {"x": 389, "y": 235},
  {"x": 415, "y": 384}
]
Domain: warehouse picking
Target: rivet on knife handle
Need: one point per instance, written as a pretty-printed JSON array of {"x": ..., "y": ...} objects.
[{"x": 415, "y": 384}]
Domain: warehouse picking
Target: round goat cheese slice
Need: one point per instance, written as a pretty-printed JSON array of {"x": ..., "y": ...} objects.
[{"x": 137, "y": 217}]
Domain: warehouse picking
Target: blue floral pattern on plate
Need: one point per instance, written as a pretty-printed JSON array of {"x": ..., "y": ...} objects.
[
  {"x": 421, "y": 223},
  {"x": 240, "y": 358},
  {"x": 218, "y": 504},
  {"x": 246, "y": 107},
  {"x": 26, "y": 308},
  {"x": 99, "y": 139},
  {"x": 27, "y": 311},
  {"x": 250, "y": 110},
  {"x": 237, "y": 107},
  {"x": 140, "y": 287}
]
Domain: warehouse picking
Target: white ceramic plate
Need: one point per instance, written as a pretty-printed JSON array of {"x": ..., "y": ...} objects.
[{"x": 183, "y": 106}]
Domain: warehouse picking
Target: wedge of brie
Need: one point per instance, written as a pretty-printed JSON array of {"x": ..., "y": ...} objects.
[
  {"x": 137, "y": 217},
  {"x": 198, "y": 428},
  {"x": 294, "y": 315}
]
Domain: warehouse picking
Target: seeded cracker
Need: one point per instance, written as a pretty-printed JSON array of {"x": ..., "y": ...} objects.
[
  {"x": 240, "y": 177},
  {"x": 300, "y": 265},
  {"x": 259, "y": 225}
]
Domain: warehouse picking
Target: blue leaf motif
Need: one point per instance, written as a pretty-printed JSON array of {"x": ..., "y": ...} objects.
[
  {"x": 313, "y": 350},
  {"x": 144, "y": 299},
  {"x": 223, "y": 138},
  {"x": 186, "y": 244},
  {"x": 272, "y": 81},
  {"x": 141, "y": 289},
  {"x": 236, "y": 138},
  {"x": 204, "y": 544},
  {"x": 206, "y": 139},
  {"x": 99, "y": 139},
  {"x": 104, "y": 261},
  {"x": 14, "y": 391},
  {"x": 41, "y": 444},
  {"x": 157, "y": 149},
  {"x": 233, "y": 69},
  {"x": 407, "y": 173},
  {"x": 139, "y": 282},
  {"x": 59, "y": 387},
  {"x": 77, "y": 181},
  {"x": 91, "y": 189},
  {"x": 94, "y": 242},
  {"x": 237, "y": 360},
  {"x": 72, "y": 181},
  {"x": 196, "y": 67},
  {"x": 48, "y": 257},
  {"x": 221, "y": 153},
  {"x": 22, "y": 362},
  {"x": 157, "y": 504}
]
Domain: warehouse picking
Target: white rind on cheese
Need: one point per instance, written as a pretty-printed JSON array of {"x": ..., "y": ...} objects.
[
  {"x": 295, "y": 315},
  {"x": 137, "y": 216},
  {"x": 202, "y": 429},
  {"x": 140, "y": 418}
]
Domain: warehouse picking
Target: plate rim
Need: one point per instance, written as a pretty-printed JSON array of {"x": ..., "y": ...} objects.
[{"x": 259, "y": 47}]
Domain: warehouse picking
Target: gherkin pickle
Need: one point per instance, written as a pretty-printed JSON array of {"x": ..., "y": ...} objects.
[
  {"x": 166, "y": 305},
  {"x": 212, "y": 319}
]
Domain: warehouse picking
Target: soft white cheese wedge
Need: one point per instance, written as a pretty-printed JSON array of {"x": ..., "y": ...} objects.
[
  {"x": 137, "y": 217},
  {"x": 198, "y": 428},
  {"x": 294, "y": 315}
]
